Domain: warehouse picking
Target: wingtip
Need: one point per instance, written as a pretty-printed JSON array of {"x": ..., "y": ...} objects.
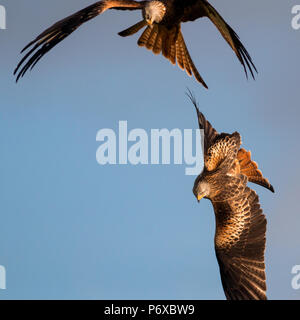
[
  {"x": 14, "y": 74},
  {"x": 121, "y": 34},
  {"x": 200, "y": 115},
  {"x": 271, "y": 188},
  {"x": 192, "y": 97},
  {"x": 18, "y": 77},
  {"x": 28, "y": 45},
  {"x": 253, "y": 74}
]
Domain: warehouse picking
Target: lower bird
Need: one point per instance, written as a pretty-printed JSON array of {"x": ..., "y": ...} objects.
[
  {"x": 240, "y": 236},
  {"x": 162, "y": 19}
]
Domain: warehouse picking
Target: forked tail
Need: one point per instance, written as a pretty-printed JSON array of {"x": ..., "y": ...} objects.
[
  {"x": 171, "y": 44},
  {"x": 250, "y": 169}
]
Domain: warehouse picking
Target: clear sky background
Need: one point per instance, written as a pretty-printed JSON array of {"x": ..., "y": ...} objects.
[{"x": 72, "y": 229}]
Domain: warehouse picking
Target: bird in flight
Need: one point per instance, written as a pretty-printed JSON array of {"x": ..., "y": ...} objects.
[
  {"x": 162, "y": 21},
  {"x": 240, "y": 235}
]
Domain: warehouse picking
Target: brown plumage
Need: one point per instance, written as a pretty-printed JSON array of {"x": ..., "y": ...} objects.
[
  {"x": 240, "y": 236},
  {"x": 162, "y": 19},
  {"x": 250, "y": 169}
]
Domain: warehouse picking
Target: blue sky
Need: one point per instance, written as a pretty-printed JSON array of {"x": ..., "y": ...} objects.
[{"x": 72, "y": 229}]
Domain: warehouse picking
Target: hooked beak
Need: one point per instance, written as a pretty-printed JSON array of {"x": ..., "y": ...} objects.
[
  {"x": 200, "y": 196},
  {"x": 149, "y": 21}
]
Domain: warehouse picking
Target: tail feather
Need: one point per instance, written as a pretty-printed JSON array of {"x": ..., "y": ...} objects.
[
  {"x": 152, "y": 38},
  {"x": 179, "y": 55},
  {"x": 144, "y": 37},
  {"x": 171, "y": 44},
  {"x": 173, "y": 53},
  {"x": 188, "y": 59},
  {"x": 158, "y": 43},
  {"x": 185, "y": 55},
  {"x": 250, "y": 169},
  {"x": 166, "y": 45}
]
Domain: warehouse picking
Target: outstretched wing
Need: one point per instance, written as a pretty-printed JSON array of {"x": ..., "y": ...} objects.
[
  {"x": 240, "y": 246},
  {"x": 63, "y": 28},
  {"x": 220, "y": 150},
  {"x": 194, "y": 9}
]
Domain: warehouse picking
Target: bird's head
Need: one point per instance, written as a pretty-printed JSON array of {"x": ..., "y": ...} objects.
[
  {"x": 149, "y": 17},
  {"x": 154, "y": 12},
  {"x": 201, "y": 189}
]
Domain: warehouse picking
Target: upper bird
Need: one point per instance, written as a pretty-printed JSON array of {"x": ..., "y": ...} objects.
[
  {"x": 240, "y": 224},
  {"x": 162, "y": 19}
]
